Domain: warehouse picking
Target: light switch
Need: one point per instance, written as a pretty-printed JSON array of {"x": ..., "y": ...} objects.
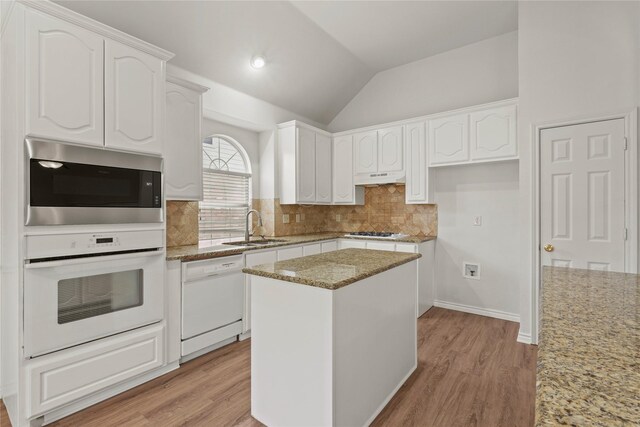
[
  {"x": 285, "y": 218},
  {"x": 477, "y": 220}
]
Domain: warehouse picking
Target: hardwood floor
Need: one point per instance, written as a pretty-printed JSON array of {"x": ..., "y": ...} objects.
[{"x": 471, "y": 372}]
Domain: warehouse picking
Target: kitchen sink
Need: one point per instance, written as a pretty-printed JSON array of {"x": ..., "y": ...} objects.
[{"x": 254, "y": 242}]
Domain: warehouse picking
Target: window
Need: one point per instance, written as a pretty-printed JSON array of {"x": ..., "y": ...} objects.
[{"x": 227, "y": 188}]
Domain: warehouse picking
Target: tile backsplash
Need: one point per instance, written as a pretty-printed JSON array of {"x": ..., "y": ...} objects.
[{"x": 384, "y": 210}]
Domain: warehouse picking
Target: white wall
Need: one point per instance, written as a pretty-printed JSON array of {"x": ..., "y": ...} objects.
[
  {"x": 228, "y": 105},
  {"x": 576, "y": 60},
  {"x": 249, "y": 141},
  {"x": 475, "y": 74},
  {"x": 463, "y": 192}
]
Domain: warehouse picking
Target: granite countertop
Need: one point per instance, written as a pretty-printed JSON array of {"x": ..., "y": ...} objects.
[
  {"x": 333, "y": 270},
  {"x": 195, "y": 252},
  {"x": 589, "y": 351}
]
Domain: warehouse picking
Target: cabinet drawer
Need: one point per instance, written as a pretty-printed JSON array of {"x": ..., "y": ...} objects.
[
  {"x": 347, "y": 243},
  {"x": 62, "y": 377},
  {"x": 381, "y": 246},
  {"x": 406, "y": 247},
  {"x": 312, "y": 249},
  {"x": 289, "y": 253},
  {"x": 330, "y": 246}
]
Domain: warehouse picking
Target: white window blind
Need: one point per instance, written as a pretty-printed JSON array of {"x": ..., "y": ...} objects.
[{"x": 226, "y": 185}]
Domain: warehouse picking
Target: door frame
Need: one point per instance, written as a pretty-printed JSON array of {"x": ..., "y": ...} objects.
[{"x": 630, "y": 118}]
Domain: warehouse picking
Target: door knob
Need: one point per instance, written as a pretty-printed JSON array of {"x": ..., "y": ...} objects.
[{"x": 548, "y": 247}]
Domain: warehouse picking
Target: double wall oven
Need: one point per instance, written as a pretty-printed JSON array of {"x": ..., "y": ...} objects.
[{"x": 82, "y": 283}]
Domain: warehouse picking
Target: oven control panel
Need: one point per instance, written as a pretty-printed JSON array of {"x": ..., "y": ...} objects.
[
  {"x": 55, "y": 245},
  {"x": 103, "y": 240}
]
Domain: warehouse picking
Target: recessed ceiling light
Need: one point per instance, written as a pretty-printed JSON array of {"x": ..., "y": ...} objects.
[{"x": 258, "y": 62}]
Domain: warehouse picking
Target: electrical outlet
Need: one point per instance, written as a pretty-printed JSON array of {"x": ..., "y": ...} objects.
[
  {"x": 338, "y": 218},
  {"x": 471, "y": 270},
  {"x": 297, "y": 217},
  {"x": 477, "y": 221},
  {"x": 301, "y": 217},
  {"x": 285, "y": 218}
]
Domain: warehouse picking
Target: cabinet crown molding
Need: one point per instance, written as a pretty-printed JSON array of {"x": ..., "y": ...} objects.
[
  {"x": 304, "y": 125},
  {"x": 75, "y": 18},
  {"x": 187, "y": 84}
]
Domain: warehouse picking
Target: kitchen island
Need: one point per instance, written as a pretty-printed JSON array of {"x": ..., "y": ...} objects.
[
  {"x": 334, "y": 336},
  {"x": 589, "y": 349}
]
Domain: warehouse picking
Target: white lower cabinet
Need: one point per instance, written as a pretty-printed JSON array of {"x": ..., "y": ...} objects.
[
  {"x": 289, "y": 253},
  {"x": 62, "y": 377},
  {"x": 381, "y": 246},
  {"x": 250, "y": 260},
  {"x": 347, "y": 243},
  {"x": 329, "y": 246},
  {"x": 312, "y": 249}
]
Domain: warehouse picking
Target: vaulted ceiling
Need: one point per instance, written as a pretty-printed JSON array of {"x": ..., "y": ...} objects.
[{"x": 319, "y": 54}]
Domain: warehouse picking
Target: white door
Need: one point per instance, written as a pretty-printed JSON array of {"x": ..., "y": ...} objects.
[
  {"x": 306, "y": 165},
  {"x": 343, "y": 187},
  {"x": 366, "y": 151},
  {"x": 582, "y": 196},
  {"x": 390, "y": 150},
  {"x": 64, "y": 81},
  {"x": 133, "y": 99},
  {"x": 416, "y": 187},
  {"x": 183, "y": 151},
  {"x": 323, "y": 169},
  {"x": 493, "y": 133},
  {"x": 449, "y": 140}
]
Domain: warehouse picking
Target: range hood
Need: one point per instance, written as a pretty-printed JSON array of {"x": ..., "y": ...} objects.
[{"x": 380, "y": 178}]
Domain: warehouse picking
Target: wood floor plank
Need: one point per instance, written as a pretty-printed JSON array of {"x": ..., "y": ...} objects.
[{"x": 471, "y": 372}]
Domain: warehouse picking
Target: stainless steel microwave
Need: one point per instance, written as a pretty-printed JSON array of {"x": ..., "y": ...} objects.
[{"x": 71, "y": 185}]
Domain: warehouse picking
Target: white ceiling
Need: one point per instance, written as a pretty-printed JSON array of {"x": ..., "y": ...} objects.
[
  {"x": 386, "y": 34},
  {"x": 320, "y": 54}
]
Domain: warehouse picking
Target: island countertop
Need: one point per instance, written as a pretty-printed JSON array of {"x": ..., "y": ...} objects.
[
  {"x": 589, "y": 351},
  {"x": 333, "y": 270}
]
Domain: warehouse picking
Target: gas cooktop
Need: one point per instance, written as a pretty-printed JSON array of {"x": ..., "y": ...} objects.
[{"x": 377, "y": 235}]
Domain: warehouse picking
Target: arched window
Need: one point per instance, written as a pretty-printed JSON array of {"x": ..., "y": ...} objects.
[{"x": 226, "y": 181}]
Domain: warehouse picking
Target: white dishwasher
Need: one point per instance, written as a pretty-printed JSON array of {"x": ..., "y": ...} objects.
[{"x": 212, "y": 303}]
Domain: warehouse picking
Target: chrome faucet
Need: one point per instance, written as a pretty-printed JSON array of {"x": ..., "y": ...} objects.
[{"x": 247, "y": 235}]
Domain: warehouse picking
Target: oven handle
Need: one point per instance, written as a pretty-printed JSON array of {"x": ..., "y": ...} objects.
[{"x": 86, "y": 260}]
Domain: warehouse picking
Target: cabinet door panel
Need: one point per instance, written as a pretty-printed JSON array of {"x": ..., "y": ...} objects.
[
  {"x": 64, "y": 81},
  {"x": 366, "y": 151},
  {"x": 449, "y": 140},
  {"x": 323, "y": 169},
  {"x": 134, "y": 99},
  {"x": 183, "y": 150},
  {"x": 416, "y": 145},
  {"x": 252, "y": 260},
  {"x": 390, "y": 150},
  {"x": 306, "y": 165},
  {"x": 343, "y": 187},
  {"x": 493, "y": 133}
]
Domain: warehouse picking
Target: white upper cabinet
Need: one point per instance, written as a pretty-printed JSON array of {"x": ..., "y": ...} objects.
[
  {"x": 419, "y": 180},
  {"x": 134, "y": 99},
  {"x": 345, "y": 191},
  {"x": 64, "y": 80},
  {"x": 493, "y": 133},
  {"x": 482, "y": 134},
  {"x": 390, "y": 150},
  {"x": 87, "y": 83},
  {"x": 306, "y": 165},
  {"x": 449, "y": 140},
  {"x": 183, "y": 148},
  {"x": 323, "y": 169},
  {"x": 366, "y": 151}
]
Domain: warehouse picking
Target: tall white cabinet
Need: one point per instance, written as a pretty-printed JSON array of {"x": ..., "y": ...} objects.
[
  {"x": 420, "y": 180},
  {"x": 89, "y": 84},
  {"x": 345, "y": 191},
  {"x": 305, "y": 164},
  {"x": 183, "y": 150}
]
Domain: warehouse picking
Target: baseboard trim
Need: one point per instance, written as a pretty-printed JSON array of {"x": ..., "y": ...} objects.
[
  {"x": 503, "y": 315},
  {"x": 524, "y": 338}
]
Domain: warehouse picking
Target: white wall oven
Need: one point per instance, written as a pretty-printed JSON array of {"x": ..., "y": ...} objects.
[
  {"x": 69, "y": 185},
  {"x": 83, "y": 287}
]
